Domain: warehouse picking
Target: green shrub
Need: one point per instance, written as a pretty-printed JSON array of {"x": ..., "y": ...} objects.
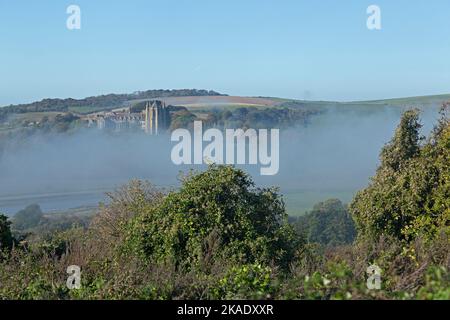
[
  {"x": 215, "y": 214},
  {"x": 250, "y": 281},
  {"x": 409, "y": 197},
  {"x": 436, "y": 286}
]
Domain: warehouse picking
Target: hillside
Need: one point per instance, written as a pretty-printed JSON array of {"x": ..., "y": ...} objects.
[
  {"x": 200, "y": 99},
  {"x": 96, "y": 103},
  {"x": 421, "y": 100}
]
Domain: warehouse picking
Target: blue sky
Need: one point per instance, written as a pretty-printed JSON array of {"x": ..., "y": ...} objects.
[{"x": 296, "y": 49}]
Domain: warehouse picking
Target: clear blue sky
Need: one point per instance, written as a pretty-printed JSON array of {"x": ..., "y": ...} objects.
[{"x": 297, "y": 49}]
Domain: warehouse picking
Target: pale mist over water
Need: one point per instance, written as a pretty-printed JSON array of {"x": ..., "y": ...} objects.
[{"x": 333, "y": 157}]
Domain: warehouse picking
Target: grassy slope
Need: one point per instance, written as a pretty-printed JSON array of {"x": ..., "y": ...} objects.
[{"x": 422, "y": 100}]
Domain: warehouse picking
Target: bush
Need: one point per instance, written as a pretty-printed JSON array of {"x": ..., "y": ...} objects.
[
  {"x": 436, "y": 286},
  {"x": 252, "y": 281},
  {"x": 215, "y": 214},
  {"x": 409, "y": 197}
]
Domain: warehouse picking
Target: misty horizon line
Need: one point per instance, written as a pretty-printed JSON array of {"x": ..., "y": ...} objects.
[{"x": 350, "y": 101}]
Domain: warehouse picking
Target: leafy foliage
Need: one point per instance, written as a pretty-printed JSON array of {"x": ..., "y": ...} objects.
[
  {"x": 410, "y": 193},
  {"x": 251, "y": 281},
  {"x": 259, "y": 118},
  {"x": 216, "y": 213},
  {"x": 243, "y": 117},
  {"x": 436, "y": 285}
]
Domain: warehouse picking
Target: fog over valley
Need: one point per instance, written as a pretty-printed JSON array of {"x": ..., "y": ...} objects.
[{"x": 331, "y": 157}]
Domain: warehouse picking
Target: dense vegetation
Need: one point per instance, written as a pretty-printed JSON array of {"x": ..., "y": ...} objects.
[
  {"x": 241, "y": 223},
  {"x": 245, "y": 117},
  {"x": 221, "y": 237},
  {"x": 409, "y": 197}
]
